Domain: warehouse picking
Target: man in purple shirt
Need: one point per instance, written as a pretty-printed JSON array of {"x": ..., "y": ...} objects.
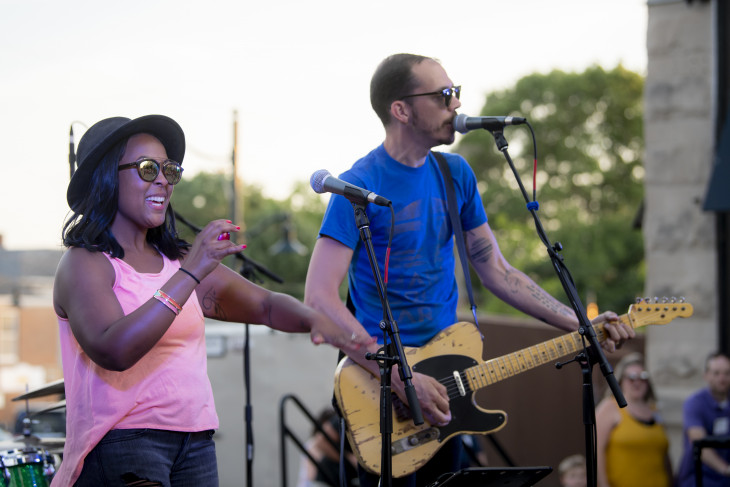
[{"x": 707, "y": 413}]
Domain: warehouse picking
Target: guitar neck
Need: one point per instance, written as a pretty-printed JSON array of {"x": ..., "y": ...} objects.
[{"x": 506, "y": 366}]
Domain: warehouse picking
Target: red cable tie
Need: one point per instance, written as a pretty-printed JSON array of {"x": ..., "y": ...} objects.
[{"x": 387, "y": 260}]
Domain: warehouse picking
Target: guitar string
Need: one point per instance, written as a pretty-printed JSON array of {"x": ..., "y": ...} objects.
[
  {"x": 515, "y": 363},
  {"x": 531, "y": 357},
  {"x": 561, "y": 346}
]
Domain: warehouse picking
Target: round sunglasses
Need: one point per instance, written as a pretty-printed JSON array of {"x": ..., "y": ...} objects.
[{"x": 148, "y": 169}]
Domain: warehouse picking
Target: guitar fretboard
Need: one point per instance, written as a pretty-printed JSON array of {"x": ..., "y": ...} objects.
[{"x": 509, "y": 365}]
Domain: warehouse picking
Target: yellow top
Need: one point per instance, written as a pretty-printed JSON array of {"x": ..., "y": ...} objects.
[{"x": 636, "y": 454}]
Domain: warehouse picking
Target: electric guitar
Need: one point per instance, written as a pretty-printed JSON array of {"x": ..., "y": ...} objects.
[{"x": 453, "y": 357}]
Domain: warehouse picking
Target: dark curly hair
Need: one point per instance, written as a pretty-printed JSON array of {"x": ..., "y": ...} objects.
[{"x": 89, "y": 225}]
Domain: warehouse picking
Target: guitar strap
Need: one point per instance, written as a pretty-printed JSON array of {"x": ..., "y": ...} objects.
[{"x": 456, "y": 226}]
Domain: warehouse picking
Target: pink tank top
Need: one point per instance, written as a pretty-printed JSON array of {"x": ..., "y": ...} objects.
[{"x": 167, "y": 389}]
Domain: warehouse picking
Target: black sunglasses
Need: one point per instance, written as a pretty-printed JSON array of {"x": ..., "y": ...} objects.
[
  {"x": 148, "y": 169},
  {"x": 447, "y": 93}
]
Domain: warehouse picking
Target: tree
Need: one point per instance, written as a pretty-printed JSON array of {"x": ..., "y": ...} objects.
[
  {"x": 205, "y": 197},
  {"x": 589, "y": 135}
]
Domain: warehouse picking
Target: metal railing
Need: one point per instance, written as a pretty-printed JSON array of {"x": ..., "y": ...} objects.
[
  {"x": 287, "y": 433},
  {"x": 707, "y": 442}
]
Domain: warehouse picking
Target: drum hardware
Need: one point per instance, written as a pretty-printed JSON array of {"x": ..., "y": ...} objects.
[
  {"x": 27, "y": 467},
  {"x": 59, "y": 405},
  {"x": 55, "y": 387},
  {"x": 34, "y": 463}
]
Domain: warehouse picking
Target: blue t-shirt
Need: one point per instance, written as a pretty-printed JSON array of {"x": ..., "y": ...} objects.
[
  {"x": 701, "y": 409},
  {"x": 421, "y": 287}
]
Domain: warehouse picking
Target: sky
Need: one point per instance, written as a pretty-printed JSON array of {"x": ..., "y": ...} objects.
[{"x": 295, "y": 74}]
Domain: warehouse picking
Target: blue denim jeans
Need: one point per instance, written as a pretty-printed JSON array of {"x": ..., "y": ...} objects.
[{"x": 149, "y": 457}]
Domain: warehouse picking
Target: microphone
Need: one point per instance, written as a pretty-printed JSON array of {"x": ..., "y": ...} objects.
[
  {"x": 324, "y": 182},
  {"x": 71, "y": 152},
  {"x": 463, "y": 123}
]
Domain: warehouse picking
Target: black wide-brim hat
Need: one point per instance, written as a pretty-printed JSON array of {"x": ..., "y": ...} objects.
[{"x": 103, "y": 135}]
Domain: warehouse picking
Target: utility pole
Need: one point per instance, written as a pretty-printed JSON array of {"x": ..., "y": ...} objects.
[{"x": 236, "y": 203}]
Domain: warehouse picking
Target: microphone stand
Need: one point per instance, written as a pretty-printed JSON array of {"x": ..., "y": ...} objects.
[
  {"x": 248, "y": 270},
  {"x": 594, "y": 353},
  {"x": 390, "y": 354}
]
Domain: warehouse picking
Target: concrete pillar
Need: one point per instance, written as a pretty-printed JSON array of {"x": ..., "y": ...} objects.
[{"x": 679, "y": 236}]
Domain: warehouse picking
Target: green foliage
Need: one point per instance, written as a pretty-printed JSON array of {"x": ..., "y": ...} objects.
[
  {"x": 201, "y": 199},
  {"x": 205, "y": 197},
  {"x": 589, "y": 135}
]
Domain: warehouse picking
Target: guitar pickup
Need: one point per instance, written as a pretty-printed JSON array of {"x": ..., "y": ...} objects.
[
  {"x": 414, "y": 441},
  {"x": 459, "y": 383}
]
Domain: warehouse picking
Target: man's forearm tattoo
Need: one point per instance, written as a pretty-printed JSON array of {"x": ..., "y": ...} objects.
[
  {"x": 513, "y": 281},
  {"x": 548, "y": 301},
  {"x": 481, "y": 250}
]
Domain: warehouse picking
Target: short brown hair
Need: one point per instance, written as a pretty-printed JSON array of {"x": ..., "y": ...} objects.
[
  {"x": 712, "y": 357},
  {"x": 393, "y": 79}
]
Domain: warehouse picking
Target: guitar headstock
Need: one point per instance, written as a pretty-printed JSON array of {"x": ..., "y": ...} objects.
[{"x": 655, "y": 311}]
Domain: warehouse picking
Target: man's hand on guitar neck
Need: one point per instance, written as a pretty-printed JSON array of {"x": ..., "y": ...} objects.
[{"x": 617, "y": 332}]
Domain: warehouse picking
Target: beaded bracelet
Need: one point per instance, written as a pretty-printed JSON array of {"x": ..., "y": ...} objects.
[
  {"x": 190, "y": 274},
  {"x": 165, "y": 299}
]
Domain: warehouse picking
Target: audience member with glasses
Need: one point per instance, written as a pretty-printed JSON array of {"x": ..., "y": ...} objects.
[
  {"x": 131, "y": 298},
  {"x": 417, "y": 101},
  {"x": 632, "y": 443}
]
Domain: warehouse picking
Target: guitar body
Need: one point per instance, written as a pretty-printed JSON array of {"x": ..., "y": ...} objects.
[
  {"x": 455, "y": 349},
  {"x": 454, "y": 358}
]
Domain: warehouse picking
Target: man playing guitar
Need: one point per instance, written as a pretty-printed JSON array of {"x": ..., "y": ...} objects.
[{"x": 417, "y": 102}]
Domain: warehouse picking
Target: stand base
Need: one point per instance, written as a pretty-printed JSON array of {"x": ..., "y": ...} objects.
[{"x": 493, "y": 477}]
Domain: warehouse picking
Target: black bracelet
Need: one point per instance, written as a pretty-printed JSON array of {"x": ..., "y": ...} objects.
[{"x": 190, "y": 274}]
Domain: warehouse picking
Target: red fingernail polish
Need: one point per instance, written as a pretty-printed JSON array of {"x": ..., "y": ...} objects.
[{"x": 243, "y": 246}]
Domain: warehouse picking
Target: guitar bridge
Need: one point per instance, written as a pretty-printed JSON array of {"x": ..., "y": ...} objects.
[{"x": 414, "y": 441}]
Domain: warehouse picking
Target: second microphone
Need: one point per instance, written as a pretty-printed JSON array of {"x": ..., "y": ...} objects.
[{"x": 324, "y": 182}]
